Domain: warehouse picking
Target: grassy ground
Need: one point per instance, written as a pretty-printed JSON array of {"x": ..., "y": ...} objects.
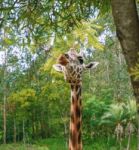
[{"x": 59, "y": 144}]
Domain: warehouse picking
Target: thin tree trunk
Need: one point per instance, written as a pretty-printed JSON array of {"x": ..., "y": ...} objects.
[
  {"x": 43, "y": 128},
  {"x": 14, "y": 130},
  {"x": 18, "y": 133},
  {"x": 65, "y": 133},
  {"x": 4, "y": 120},
  {"x": 23, "y": 125},
  {"x": 33, "y": 129},
  {"x": 129, "y": 139},
  {"x": 65, "y": 129},
  {"x": 127, "y": 27},
  {"x": 5, "y": 96},
  {"x": 138, "y": 129},
  {"x": 107, "y": 72}
]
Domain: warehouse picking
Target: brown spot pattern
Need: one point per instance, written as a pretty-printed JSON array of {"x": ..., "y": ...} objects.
[
  {"x": 75, "y": 142},
  {"x": 73, "y": 100},
  {"x": 78, "y": 126},
  {"x": 72, "y": 117},
  {"x": 78, "y": 112},
  {"x": 73, "y": 138},
  {"x": 79, "y": 137}
]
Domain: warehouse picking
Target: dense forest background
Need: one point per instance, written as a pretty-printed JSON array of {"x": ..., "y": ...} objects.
[{"x": 35, "y": 100}]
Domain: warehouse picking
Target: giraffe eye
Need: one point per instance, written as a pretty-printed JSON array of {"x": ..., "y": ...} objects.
[{"x": 80, "y": 58}]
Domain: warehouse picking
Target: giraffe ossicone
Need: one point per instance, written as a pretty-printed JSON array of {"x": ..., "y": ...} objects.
[{"x": 72, "y": 65}]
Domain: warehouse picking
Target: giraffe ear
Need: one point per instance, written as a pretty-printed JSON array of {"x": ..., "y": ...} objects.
[
  {"x": 91, "y": 65},
  {"x": 58, "y": 67}
]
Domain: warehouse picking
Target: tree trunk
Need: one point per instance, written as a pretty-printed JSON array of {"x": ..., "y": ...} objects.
[
  {"x": 4, "y": 120},
  {"x": 127, "y": 27},
  {"x": 14, "y": 130},
  {"x": 43, "y": 128},
  {"x": 23, "y": 130},
  {"x": 5, "y": 95},
  {"x": 129, "y": 139},
  {"x": 33, "y": 130}
]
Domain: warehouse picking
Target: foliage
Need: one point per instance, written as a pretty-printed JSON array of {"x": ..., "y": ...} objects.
[
  {"x": 135, "y": 72},
  {"x": 40, "y": 97},
  {"x": 131, "y": 110},
  {"x": 40, "y": 17},
  {"x": 115, "y": 114},
  {"x": 37, "y": 97},
  {"x": 56, "y": 144}
]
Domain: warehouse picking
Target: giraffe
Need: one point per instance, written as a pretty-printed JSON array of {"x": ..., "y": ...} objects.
[{"x": 71, "y": 64}]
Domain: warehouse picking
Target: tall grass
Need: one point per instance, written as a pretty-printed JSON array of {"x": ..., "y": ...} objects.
[{"x": 60, "y": 144}]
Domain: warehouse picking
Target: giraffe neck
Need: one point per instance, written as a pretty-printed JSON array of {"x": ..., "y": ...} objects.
[{"x": 75, "y": 142}]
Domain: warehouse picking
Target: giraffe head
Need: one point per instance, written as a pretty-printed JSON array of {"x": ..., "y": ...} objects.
[{"x": 72, "y": 65}]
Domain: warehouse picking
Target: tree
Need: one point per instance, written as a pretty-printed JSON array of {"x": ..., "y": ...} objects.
[
  {"x": 115, "y": 116},
  {"x": 127, "y": 27},
  {"x": 36, "y": 20},
  {"x": 130, "y": 112}
]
